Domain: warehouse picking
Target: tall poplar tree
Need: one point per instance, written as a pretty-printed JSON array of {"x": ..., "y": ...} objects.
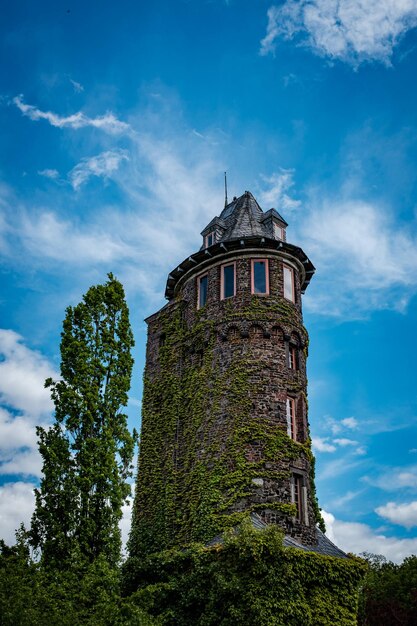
[{"x": 87, "y": 453}]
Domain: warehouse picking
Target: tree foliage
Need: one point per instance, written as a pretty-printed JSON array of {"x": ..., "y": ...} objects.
[
  {"x": 249, "y": 578},
  {"x": 87, "y": 453},
  {"x": 389, "y": 593}
]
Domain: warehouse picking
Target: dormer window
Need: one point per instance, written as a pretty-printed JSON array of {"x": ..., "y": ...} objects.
[
  {"x": 210, "y": 239},
  {"x": 279, "y": 232}
]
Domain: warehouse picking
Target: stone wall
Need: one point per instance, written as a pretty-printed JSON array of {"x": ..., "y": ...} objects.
[{"x": 224, "y": 450}]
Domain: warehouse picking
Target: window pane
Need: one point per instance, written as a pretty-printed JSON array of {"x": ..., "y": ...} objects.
[
  {"x": 210, "y": 239},
  {"x": 288, "y": 283},
  {"x": 203, "y": 291},
  {"x": 278, "y": 231},
  {"x": 228, "y": 281},
  {"x": 291, "y": 427},
  {"x": 259, "y": 277}
]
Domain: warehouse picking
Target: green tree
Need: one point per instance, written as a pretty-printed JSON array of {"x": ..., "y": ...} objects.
[
  {"x": 389, "y": 593},
  {"x": 87, "y": 453}
]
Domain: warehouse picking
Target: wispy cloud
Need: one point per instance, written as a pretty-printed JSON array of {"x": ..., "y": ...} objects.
[
  {"x": 102, "y": 165},
  {"x": 107, "y": 123},
  {"x": 78, "y": 88},
  {"x": 365, "y": 262},
  {"x": 352, "y": 31},
  {"x": 394, "y": 478},
  {"x": 48, "y": 237},
  {"x": 49, "y": 173},
  {"x": 275, "y": 190}
]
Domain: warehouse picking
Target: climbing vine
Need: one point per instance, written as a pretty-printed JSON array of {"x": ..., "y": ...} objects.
[{"x": 195, "y": 479}]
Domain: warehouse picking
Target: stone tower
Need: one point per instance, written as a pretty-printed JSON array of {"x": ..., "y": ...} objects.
[{"x": 225, "y": 428}]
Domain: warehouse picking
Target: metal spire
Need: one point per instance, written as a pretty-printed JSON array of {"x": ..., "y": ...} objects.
[{"x": 225, "y": 189}]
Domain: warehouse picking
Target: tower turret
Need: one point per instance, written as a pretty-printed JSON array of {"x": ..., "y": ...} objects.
[{"x": 225, "y": 427}]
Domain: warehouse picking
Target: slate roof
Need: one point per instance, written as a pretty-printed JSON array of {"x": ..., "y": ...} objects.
[
  {"x": 243, "y": 217},
  {"x": 324, "y": 545},
  {"x": 242, "y": 223}
]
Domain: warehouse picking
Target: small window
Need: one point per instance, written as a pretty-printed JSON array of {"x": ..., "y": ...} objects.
[
  {"x": 228, "y": 281},
  {"x": 259, "y": 276},
  {"x": 210, "y": 239},
  {"x": 278, "y": 232},
  {"x": 202, "y": 290},
  {"x": 289, "y": 290},
  {"x": 292, "y": 357},
  {"x": 291, "y": 419},
  {"x": 298, "y": 495}
]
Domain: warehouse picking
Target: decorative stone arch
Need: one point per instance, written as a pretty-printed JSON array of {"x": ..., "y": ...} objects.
[
  {"x": 256, "y": 332},
  {"x": 233, "y": 333},
  {"x": 277, "y": 334},
  {"x": 295, "y": 339}
]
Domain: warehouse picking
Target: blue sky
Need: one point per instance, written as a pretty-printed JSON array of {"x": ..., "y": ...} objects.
[{"x": 117, "y": 122}]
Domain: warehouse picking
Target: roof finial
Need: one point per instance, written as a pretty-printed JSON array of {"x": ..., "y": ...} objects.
[{"x": 225, "y": 189}]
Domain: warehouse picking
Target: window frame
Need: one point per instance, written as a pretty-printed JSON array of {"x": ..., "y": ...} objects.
[
  {"x": 291, "y": 416},
  {"x": 252, "y": 276},
  {"x": 212, "y": 234},
  {"x": 278, "y": 227},
  {"x": 292, "y": 357},
  {"x": 222, "y": 268},
  {"x": 291, "y": 269},
  {"x": 299, "y": 497},
  {"x": 199, "y": 279}
]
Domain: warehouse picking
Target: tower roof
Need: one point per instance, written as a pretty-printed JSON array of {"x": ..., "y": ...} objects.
[
  {"x": 241, "y": 225},
  {"x": 243, "y": 217}
]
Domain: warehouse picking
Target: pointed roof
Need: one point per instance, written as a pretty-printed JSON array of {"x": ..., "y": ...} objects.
[
  {"x": 243, "y": 217},
  {"x": 241, "y": 223}
]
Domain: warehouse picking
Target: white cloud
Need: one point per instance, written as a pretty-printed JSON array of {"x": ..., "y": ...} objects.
[
  {"x": 320, "y": 444},
  {"x": 345, "y": 442},
  {"x": 353, "y": 31},
  {"x": 102, "y": 165},
  {"x": 22, "y": 376},
  {"x": 25, "y": 404},
  {"x": 337, "y": 426},
  {"x": 278, "y": 184},
  {"x": 350, "y": 422},
  {"x": 49, "y": 173},
  {"x": 402, "y": 514},
  {"x": 357, "y": 538},
  {"x": 108, "y": 122},
  {"x": 16, "y": 506}
]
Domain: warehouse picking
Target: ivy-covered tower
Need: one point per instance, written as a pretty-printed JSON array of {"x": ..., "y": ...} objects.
[{"x": 225, "y": 425}]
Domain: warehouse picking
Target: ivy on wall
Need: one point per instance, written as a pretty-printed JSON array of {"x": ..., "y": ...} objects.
[{"x": 193, "y": 471}]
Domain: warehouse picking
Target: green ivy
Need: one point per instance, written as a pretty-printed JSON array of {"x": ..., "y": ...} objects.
[
  {"x": 190, "y": 478},
  {"x": 249, "y": 578}
]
